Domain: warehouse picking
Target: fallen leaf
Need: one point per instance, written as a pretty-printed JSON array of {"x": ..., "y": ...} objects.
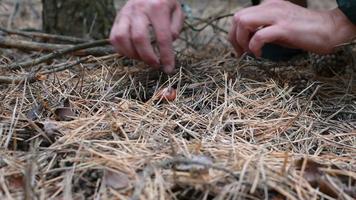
[
  {"x": 15, "y": 182},
  {"x": 41, "y": 77},
  {"x": 66, "y": 103},
  {"x": 64, "y": 113},
  {"x": 116, "y": 180},
  {"x": 311, "y": 173},
  {"x": 316, "y": 178}
]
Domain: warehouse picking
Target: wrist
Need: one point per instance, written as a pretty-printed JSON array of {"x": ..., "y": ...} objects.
[{"x": 344, "y": 30}]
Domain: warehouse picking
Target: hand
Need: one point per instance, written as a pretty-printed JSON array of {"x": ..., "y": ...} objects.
[
  {"x": 289, "y": 25},
  {"x": 130, "y": 33}
]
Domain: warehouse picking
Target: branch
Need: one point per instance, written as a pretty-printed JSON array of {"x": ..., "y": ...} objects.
[
  {"x": 38, "y": 76},
  {"x": 208, "y": 22},
  {"x": 17, "y": 79},
  {"x": 56, "y": 54},
  {"x": 31, "y": 34},
  {"x": 149, "y": 170},
  {"x": 6, "y": 42}
]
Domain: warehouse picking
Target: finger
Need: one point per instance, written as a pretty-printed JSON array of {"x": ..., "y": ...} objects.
[
  {"x": 161, "y": 23},
  {"x": 243, "y": 36},
  {"x": 141, "y": 40},
  {"x": 232, "y": 39},
  {"x": 255, "y": 17},
  {"x": 265, "y": 35},
  {"x": 177, "y": 21},
  {"x": 120, "y": 37}
]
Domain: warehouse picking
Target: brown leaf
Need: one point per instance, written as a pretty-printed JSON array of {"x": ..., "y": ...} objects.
[
  {"x": 64, "y": 113},
  {"x": 66, "y": 103},
  {"x": 41, "y": 77},
  {"x": 327, "y": 188},
  {"x": 116, "y": 180},
  {"x": 316, "y": 178},
  {"x": 16, "y": 182},
  {"x": 311, "y": 173}
]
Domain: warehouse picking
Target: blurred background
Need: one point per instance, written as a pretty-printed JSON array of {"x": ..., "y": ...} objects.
[{"x": 27, "y": 14}]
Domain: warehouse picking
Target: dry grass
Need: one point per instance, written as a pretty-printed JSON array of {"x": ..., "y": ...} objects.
[{"x": 237, "y": 130}]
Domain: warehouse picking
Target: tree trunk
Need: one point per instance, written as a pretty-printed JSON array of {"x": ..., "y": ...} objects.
[{"x": 80, "y": 18}]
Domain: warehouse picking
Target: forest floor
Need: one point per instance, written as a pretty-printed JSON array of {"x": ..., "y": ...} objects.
[{"x": 238, "y": 128}]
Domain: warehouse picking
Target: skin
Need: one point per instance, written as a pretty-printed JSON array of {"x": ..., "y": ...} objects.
[
  {"x": 290, "y": 25},
  {"x": 273, "y": 21},
  {"x": 130, "y": 33}
]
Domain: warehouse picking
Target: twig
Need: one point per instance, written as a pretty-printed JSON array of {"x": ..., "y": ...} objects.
[
  {"x": 37, "y": 46},
  {"x": 64, "y": 67},
  {"x": 175, "y": 161},
  {"x": 208, "y": 22},
  {"x": 55, "y": 54},
  {"x": 33, "y": 77},
  {"x": 28, "y": 45},
  {"x": 16, "y": 79},
  {"x": 31, "y": 34}
]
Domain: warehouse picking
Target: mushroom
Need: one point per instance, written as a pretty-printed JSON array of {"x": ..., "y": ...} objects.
[{"x": 167, "y": 94}]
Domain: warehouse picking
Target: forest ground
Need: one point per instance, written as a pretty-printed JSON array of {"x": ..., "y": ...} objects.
[{"x": 238, "y": 128}]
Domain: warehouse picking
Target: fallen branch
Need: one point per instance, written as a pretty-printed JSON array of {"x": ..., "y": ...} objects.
[
  {"x": 6, "y": 42},
  {"x": 45, "y": 58},
  {"x": 149, "y": 170},
  {"x": 33, "y": 77},
  {"x": 30, "y": 34},
  {"x": 17, "y": 79}
]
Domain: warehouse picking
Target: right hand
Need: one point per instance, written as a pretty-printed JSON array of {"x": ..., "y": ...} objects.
[
  {"x": 130, "y": 33},
  {"x": 289, "y": 25}
]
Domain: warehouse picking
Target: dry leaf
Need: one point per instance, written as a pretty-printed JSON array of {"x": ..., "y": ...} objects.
[
  {"x": 64, "y": 113},
  {"x": 66, "y": 103},
  {"x": 317, "y": 178},
  {"x": 116, "y": 180},
  {"x": 311, "y": 173},
  {"x": 41, "y": 77},
  {"x": 16, "y": 182}
]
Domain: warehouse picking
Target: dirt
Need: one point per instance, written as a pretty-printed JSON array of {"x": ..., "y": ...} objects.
[{"x": 235, "y": 129}]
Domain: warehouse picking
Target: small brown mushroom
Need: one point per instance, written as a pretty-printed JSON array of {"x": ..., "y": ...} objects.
[{"x": 167, "y": 94}]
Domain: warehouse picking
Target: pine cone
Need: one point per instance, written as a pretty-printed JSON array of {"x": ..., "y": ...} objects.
[{"x": 331, "y": 64}]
